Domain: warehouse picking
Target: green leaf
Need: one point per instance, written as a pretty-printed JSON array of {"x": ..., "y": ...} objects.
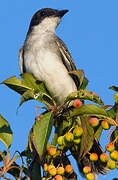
[
  {"x": 89, "y": 109},
  {"x": 98, "y": 132},
  {"x": 84, "y": 84},
  {"x": 87, "y": 137},
  {"x": 39, "y": 96},
  {"x": 6, "y": 134},
  {"x": 33, "y": 83},
  {"x": 15, "y": 84},
  {"x": 85, "y": 95},
  {"x": 30, "y": 88},
  {"x": 93, "y": 110},
  {"x": 113, "y": 137},
  {"x": 115, "y": 88},
  {"x": 112, "y": 112},
  {"x": 116, "y": 98},
  {"x": 28, "y": 95},
  {"x": 41, "y": 132},
  {"x": 28, "y": 82}
]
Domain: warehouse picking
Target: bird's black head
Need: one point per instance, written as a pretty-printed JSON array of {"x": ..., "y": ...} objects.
[{"x": 46, "y": 12}]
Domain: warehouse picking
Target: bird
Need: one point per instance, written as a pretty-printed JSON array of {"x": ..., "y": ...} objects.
[{"x": 47, "y": 58}]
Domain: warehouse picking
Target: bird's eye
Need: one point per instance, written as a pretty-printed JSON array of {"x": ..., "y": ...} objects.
[{"x": 42, "y": 13}]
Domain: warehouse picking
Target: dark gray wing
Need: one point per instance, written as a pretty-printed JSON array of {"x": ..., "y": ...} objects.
[{"x": 67, "y": 59}]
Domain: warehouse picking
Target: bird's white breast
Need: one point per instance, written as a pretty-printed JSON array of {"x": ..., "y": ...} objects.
[{"x": 43, "y": 60}]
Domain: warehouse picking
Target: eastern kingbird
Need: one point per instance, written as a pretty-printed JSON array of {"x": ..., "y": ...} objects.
[{"x": 46, "y": 57}]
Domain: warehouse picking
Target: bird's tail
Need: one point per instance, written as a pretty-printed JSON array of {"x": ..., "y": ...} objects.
[{"x": 96, "y": 167}]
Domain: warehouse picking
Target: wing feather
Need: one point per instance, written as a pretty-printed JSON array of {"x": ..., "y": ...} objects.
[
  {"x": 21, "y": 59},
  {"x": 67, "y": 59}
]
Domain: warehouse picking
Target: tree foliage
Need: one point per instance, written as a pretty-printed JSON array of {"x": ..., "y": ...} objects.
[{"x": 69, "y": 123}]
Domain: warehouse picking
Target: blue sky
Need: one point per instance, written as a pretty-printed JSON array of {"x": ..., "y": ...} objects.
[{"x": 90, "y": 31}]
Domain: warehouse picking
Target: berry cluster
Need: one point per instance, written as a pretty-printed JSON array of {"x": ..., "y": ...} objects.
[
  {"x": 72, "y": 137},
  {"x": 94, "y": 122},
  {"x": 113, "y": 163},
  {"x": 71, "y": 140},
  {"x": 104, "y": 158},
  {"x": 56, "y": 172}
]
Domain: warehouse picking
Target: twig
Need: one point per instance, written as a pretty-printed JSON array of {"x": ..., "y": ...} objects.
[
  {"x": 5, "y": 177},
  {"x": 108, "y": 136}
]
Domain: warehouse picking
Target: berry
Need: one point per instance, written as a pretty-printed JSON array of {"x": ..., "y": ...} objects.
[
  {"x": 94, "y": 122},
  {"x": 52, "y": 151},
  {"x": 93, "y": 157},
  {"x": 45, "y": 167},
  {"x": 60, "y": 140},
  {"x": 104, "y": 157},
  {"x": 52, "y": 170},
  {"x": 69, "y": 137},
  {"x": 60, "y": 170},
  {"x": 60, "y": 148},
  {"x": 111, "y": 164},
  {"x": 87, "y": 169},
  {"x": 90, "y": 176},
  {"x": 50, "y": 166},
  {"x": 105, "y": 125},
  {"x": 114, "y": 155},
  {"x": 58, "y": 177},
  {"x": 69, "y": 168},
  {"x": 110, "y": 147},
  {"x": 78, "y": 131},
  {"x": 77, "y": 103},
  {"x": 77, "y": 141}
]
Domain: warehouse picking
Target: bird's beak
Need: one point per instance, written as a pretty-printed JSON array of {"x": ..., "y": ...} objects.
[{"x": 61, "y": 13}]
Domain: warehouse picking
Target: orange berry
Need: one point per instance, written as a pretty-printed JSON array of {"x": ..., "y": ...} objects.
[
  {"x": 52, "y": 170},
  {"x": 45, "y": 167},
  {"x": 50, "y": 167},
  {"x": 87, "y": 169},
  {"x": 90, "y": 176},
  {"x": 110, "y": 147},
  {"x": 93, "y": 157},
  {"x": 60, "y": 170},
  {"x": 94, "y": 122},
  {"x": 77, "y": 103},
  {"x": 52, "y": 151},
  {"x": 105, "y": 125},
  {"x": 104, "y": 157},
  {"x": 58, "y": 177},
  {"x": 69, "y": 137},
  {"x": 69, "y": 168}
]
